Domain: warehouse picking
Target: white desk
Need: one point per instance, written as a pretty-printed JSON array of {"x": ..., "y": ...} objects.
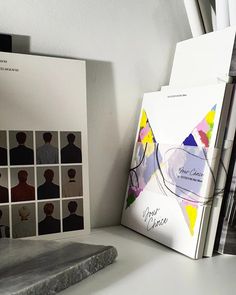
[{"x": 146, "y": 267}]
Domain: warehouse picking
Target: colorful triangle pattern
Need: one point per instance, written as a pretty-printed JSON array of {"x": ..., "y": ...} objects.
[
  {"x": 143, "y": 171},
  {"x": 200, "y": 136},
  {"x": 146, "y": 164}
]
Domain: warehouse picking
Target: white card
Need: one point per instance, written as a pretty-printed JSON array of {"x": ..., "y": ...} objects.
[
  {"x": 203, "y": 60},
  {"x": 43, "y": 123}
]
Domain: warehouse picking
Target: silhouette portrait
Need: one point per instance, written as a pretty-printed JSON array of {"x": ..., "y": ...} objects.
[
  {"x": 72, "y": 181},
  {"x": 71, "y": 153},
  {"x": 73, "y": 221},
  {"x": 3, "y": 150},
  {"x": 4, "y": 225},
  {"x": 24, "y": 224},
  {"x": 3, "y": 190},
  {"x": 22, "y": 191},
  {"x": 49, "y": 224},
  {"x": 21, "y": 154},
  {"x": 48, "y": 190},
  {"x": 47, "y": 153}
]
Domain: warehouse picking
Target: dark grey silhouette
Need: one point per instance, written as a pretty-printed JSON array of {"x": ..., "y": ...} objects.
[
  {"x": 73, "y": 221},
  {"x": 3, "y": 156},
  {"x": 3, "y": 193},
  {"x": 4, "y": 229},
  {"x": 21, "y": 155},
  {"x": 50, "y": 224},
  {"x": 71, "y": 153},
  {"x": 48, "y": 190}
]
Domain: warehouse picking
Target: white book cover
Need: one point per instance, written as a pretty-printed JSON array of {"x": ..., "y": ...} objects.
[
  {"x": 221, "y": 174},
  {"x": 44, "y": 189},
  {"x": 204, "y": 60},
  {"x": 174, "y": 165}
]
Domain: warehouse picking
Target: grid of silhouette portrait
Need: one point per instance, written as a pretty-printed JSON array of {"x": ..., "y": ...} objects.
[{"x": 41, "y": 182}]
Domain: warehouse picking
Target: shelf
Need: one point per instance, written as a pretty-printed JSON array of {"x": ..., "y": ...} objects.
[{"x": 146, "y": 267}]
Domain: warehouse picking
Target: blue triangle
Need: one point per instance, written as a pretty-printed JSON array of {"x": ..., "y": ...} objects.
[{"x": 190, "y": 141}]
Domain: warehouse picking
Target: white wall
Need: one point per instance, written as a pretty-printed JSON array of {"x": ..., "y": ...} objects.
[{"x": 129, "y": 46}]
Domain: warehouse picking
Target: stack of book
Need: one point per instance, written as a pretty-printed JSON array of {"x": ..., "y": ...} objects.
[{"x": 183, "y": 164}]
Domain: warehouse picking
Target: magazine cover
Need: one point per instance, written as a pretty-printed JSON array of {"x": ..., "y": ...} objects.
[{"x": 43, "y": 147}]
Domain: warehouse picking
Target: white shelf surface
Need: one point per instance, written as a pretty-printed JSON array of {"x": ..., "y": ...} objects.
[{"x": 146, "y": 267}]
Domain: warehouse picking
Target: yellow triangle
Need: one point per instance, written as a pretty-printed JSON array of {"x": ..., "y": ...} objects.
[
  {"x": 149, "y": 136},
  {"x": 143, "y": 120},
  {"x": 192, "y": 216}
]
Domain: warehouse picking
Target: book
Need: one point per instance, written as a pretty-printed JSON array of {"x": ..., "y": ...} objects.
[
  {"x": 174, "y": 165},
  {"x": 221, "y": 175},
  {"x": 44, "y": 188}
]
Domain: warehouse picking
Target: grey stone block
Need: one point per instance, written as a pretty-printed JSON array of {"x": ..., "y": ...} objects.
[{"x": 47, "y": 267}]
